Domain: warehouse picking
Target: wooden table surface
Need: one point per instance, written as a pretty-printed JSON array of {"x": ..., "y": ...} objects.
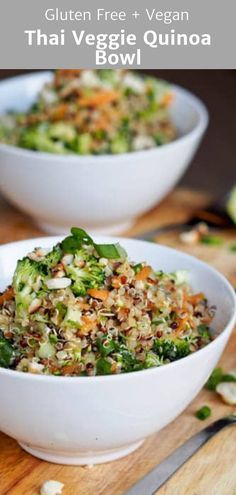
[{"x": 212, "y": 471}]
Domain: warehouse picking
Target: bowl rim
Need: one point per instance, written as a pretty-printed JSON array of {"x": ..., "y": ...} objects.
[
  {"x": 197, "y": 131},
  {"x": 131, "y": 374}
]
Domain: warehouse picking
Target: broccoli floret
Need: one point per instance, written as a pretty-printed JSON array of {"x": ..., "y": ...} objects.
[
  {"x": 128, "y": 360},
  {"x": 204, "y": 333},
  {"x": 103, "y": 367},
  {"x": 6, "y": 352},
  {"x": 106, "y": 346},
  {"x": 89, "y": 276},
  {"x": 82, "y": 144},
  {"x": 171, "y": 349},
  {"x": 152, "y": 360},
  {"x": 37, "y": 138},
  {"x": 119, "y": 144},
  {"x": 26, "y": 282},
  {"x": 63, "y": 132},
  {"x": 51, "y": 259}
]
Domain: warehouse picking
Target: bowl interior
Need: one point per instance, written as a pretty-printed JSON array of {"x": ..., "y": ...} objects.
[
  {"x": 202, "y": 277},
  {"x": 19, "y": 93}
]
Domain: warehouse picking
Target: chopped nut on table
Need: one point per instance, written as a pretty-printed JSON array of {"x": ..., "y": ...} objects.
[
  {"x": 194, "y": 235},
  {"x": 51, "y": 487},
  {"x": 228, "y": 392}
]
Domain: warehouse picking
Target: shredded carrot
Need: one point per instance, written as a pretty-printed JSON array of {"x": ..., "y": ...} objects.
[
  {"x": 98, "y": 99},
  {"x": 144, "y": 273},
  {"x": 101, "y": 294},
  {"x": 70, "y": 369},
  {"x": 181, "y": 324},
  {"x": 6, "y": 296},
  {"x": 196, "y": 298},
  {"x": 83, "y": 305},
  {"x": 116, "y": 282},
  {"x": 167, "y": 99},
  {"x": 88, "y": 324},
  {"x": 59, "y": 113}
]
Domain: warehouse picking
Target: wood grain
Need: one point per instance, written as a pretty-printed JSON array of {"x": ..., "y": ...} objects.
[{"x": 212, "y": 471}]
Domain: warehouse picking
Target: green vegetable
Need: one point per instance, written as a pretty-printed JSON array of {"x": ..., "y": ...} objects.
[
  {"x": 62, "y": 131},
  {"x": 82, "y": 144},
  {"x": 79, "y": 237},
  {"x": 6, "y": 352},
  {"x": 233, "y": 248},
  {"x": 37, "y": 138},
  {"x": 76, "y": 240},
  {"x": 137, "y": 268},
  {"x": 27, "y": 281},
  {"x": 46, "y": 350},
  {"x": 215, "y": 379},
  {"x": 171, "y": 349},
  {"x": 152, "y": 360},
  {"x": 203, "y": 413},
  {"x": 160, "y": 138},
  {"x": 218, "y": 376},
  {"x": 51, "y": 259},
  {"x": 128, "y": 360},
  {"x": 53, "y": 339},
  {"x": 231, "y": 205},
  {"x": 106, "y": 346},
  {"x": 110, "y": 251},
  {"x": 211, "y": 240},
  {"x": 72, "y": 318},
  {"x": 103, "y": 367},
  {"x": 91, "y": 276},
  {"x": 204, "y": 332},
  {"x": 119, "y": 144},
  {"x": 181, "y": 277}
]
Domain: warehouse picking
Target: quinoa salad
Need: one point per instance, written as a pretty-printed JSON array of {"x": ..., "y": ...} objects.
[
  {"x": 93, "y": 112},
  {"x": 84, "y": 309}
]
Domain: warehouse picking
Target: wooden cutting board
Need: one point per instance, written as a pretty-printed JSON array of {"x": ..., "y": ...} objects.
[{"x": 212, "y": 471}]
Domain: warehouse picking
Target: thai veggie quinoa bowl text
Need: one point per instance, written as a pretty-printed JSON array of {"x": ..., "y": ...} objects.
[{"x": 84, "y": 309}]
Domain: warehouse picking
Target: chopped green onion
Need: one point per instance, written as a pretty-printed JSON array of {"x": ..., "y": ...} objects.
[
  {"x": 6, "y": 352},
  {"x": 110, "y": 251},
  {"x": 46, "y": 350},
  {"x": 211, "y": 240},
  {"x": 203, "y": 330},
  {"x": 228, "y": 378},
  {"x": 232, "y": 248},
  {"x": 79, "y": 237},
  {"x": 203, "y": 413},
  {"x": 215, "y": 379},
  {"x": 218, "y": 376},
  {"x": 103, "y": 367},
  {"x": 137, "y": 268},
  {"x": 106, "y": 346}
]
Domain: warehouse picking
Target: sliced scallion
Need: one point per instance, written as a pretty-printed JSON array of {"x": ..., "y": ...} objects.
[
  {"x": 203, "y": 413},
  {"x": 212, "y": 240}
]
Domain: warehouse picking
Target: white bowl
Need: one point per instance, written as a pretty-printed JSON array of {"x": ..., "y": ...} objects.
[
  {"x": 89, "y": 420},
  {"x": 101, "y": 193}
]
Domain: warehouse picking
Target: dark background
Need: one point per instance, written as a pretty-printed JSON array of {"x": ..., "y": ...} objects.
[{"x": 214, "y": 167}]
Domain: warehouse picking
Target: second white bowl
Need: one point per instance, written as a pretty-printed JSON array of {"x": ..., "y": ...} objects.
[{"x": 100, "y": 193}]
